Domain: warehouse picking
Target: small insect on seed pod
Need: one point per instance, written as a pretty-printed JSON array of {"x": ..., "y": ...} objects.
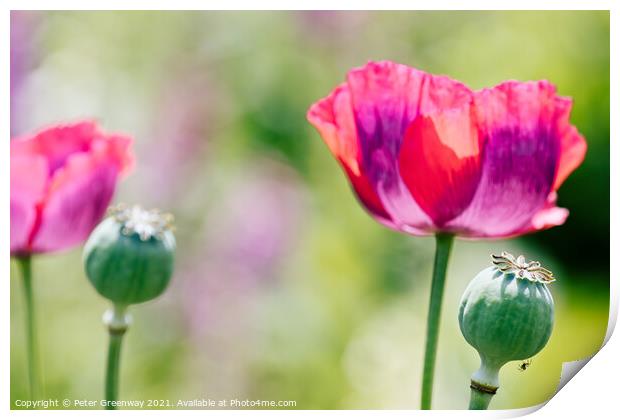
[{"x": 506, "y": 313}]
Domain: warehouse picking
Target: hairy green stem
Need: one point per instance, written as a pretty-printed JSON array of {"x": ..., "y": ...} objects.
[
  {"x": 25, "y": 263},
  {"x": 442, "y": 254},
  {"x": 117, "y": 322}
]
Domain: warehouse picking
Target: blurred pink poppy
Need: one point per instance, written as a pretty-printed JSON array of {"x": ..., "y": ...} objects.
[
  {"x": 62, "y": 180},
  {"x": 426, "y": 154}
]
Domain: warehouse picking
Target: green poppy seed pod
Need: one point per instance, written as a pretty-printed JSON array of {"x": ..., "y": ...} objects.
[
  {"x": 129, "y": 257},
  {"x": 506, "y": 314}
]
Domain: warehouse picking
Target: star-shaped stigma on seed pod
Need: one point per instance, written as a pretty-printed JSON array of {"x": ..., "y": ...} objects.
[
  {"x": 144, "y": 223},
  {"x": 533, "y": 271}
]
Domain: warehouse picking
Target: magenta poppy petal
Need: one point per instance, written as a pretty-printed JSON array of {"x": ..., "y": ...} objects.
[
  {"x": 519, "y": 123},
  {"x": 545, "y": 218},
  {"x": 59, "y": 142},
  {"x": 548, "y": 217},
  {"x": 23, "y": 217},
  {"x": 386, "y": 98},
  {"x": 28, "y": 184},
  {"x": 333, "y": 118},
  {"x": 440, "y": 162},
  {"x": 573, "y": 145},
  {"x": 79, "y": 195},
  {"x": 116, "y": 149}
]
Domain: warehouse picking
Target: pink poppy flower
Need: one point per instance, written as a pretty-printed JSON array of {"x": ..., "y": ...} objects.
[
  {"x": 62, "y": 180},
  {"x": 426, "y": 154}
]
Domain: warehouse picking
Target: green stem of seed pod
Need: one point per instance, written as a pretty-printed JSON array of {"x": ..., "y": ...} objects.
[
  {"x": 442, "y": 254},
  {"x": 117, "y": 323},
  {"x": 479, "y": 400},
  {"x": 25, "y": 263},
  {"x": 111, "y": 381},
  {"x": 484, "y": 383}
]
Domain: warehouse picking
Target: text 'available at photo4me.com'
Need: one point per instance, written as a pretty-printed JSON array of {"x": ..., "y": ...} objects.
[{"x": 203, "y": 403}]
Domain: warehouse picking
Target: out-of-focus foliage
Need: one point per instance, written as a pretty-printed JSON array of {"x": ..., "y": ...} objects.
[{"x": 285, "y": 288}]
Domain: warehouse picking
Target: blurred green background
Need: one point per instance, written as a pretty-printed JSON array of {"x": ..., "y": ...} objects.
[{"x": 285, "y": 289}]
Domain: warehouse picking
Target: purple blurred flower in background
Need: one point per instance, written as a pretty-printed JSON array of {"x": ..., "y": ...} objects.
[
  {"x": 23, "y": 30},
  {"x": 257, "y": 216},
  {"x": 251, "y": 230},
  {"x": 180, "y": 129},
  {"x": 332, "y": 27}
]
